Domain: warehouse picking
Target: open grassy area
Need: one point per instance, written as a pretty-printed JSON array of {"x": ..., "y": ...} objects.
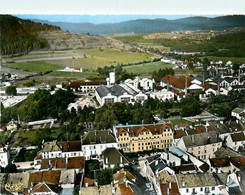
[
  {"x": 37, "y": 66},
  {"x": 180, "y": 121},
  {"x": 37, "y": 54},
  {"x": 88, "y": 75},
  {"x": 95, "y": 58},
  {"x": 147, "y": 68}
]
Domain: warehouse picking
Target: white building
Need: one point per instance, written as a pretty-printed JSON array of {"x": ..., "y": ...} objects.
[
  {"x": 238, "y": 113},
  {"x": 95, "y": 142},
  {"x": 236, "y": 140},
  {"x": 118, "y": 93},
  {"x": 144, "y": 83},
  {"x": 4, "y": 155},
  {"x": 65, "y": 149},
  {"x": 163, "y": 95}
]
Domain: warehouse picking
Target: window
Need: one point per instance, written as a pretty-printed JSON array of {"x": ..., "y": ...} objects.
[
  {"x": 125, "y": 99},
  {"x": 213, "y": 188},
  {"x": 187, "y": 190},
  {"x": 109, "y": 100},
  {"x": 201, "y": 189}
]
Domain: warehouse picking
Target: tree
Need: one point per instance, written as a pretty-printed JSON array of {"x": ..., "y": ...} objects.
[
  {"x": 105, "y": 177},
  {"x": 11, "y": 90},
  {"x": 11, "y": 168}
]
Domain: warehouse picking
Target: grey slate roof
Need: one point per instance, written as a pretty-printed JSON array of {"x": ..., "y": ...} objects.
[
  {"x": 159, "y": 166},
  {"x": 115, "y": 90},
  {"x": 98, "y": 137},
  {"x": 201, "y": 139},
  {"x": 113, "y": 156},
  {"x": 237, "y": 110},
  {"x": 201, "y": 179}
]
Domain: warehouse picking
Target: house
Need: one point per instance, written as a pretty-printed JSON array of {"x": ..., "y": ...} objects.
[
  {"x": 169, "y": 188},
  {"x": 202, "y": 183},
  {"x": 4, "y": 155},
  {"x": 145, "y": 83},
  {"x": 238, "y": 113},
  {"x": 221, "y": 165},
  {"x": 67, "y": 181},
  {"x": 152, "y": 167},
  {"x": 202, "y": 145},
  {"x": 124, "y": 182},
  {"x": 44, "y": 188},
  {"x": 95, "y": 142},
  {"x": 224, "y": 152},
  {"x": 64, "y": 149},
  {"x": 163, "y": 95},
  {"x": 136, "y": 138},
  {"x": 112, "y": 157},
  {"x": 15, "y": 183},
  {"x": 86, "y": 86},
  {"x": 235, "y": 140},
  {"x": 118, "y": 93}
]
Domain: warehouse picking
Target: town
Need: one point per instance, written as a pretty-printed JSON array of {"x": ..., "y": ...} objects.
[{"x": 78, "y": 121}]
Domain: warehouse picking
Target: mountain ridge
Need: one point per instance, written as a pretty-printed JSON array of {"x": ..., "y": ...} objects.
[{"x": 154, "y": 25}]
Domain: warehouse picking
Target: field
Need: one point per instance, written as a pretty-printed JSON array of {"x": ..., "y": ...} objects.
[
  {"x": 37, "y": 66},
  {"x": 94, "y": 58},
  {"x": 146, "y": 68},
  {"x": 88, "y": 75}
]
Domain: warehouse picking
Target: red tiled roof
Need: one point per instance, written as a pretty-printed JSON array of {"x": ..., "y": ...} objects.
[
  {"x": 179, "y": 134},
  {"x": 238, "y": 161},
  {"x": 38, "y": 157},
  {"x": 45, "y": 164},
  {"x": 188, "y": 62},
  {"x": 186, "y": 167},
  {"x": 70, "y": 146},
  {"x": 220, "y": 162},
  {"x": 3, "y": 128},
  {"x": 169, "y": 79},
  {"x": 208, "y": 86},
  {"x": 129, "y": 175},
  {"x": 157, "y": 79},
  {"x": 120, "y": 176},
  {"x": 196, "y": 130},
  {"x": 155, "y": 129},
  {"x": 40, "y": 188},
  {"x": 76, "y": 163},
  {"x": 204, "y": 167},
  {"x": 236, "y": 137},
  {"x": 90, "y": 182},
  {"x": 180, "y": 83},
  {"x": 159, "y": 88},
  {"x": 45, "y": 176},
  {"x": 210, "y": 128},
  {"x": 125, "y": 190},
  {"x": 58, "y": 163},
  {"x": 174, "y": 190},
  {"x": 182, "y": 125}
]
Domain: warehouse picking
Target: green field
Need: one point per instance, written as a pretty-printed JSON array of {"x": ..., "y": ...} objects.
[
  {"x": 147, "y": 68},
  {"x": 96, "y": 58},
  {"x": 37, "y": 66},
  {"x": 37, "y": 54},
  {"x": 93, "y": 75}
]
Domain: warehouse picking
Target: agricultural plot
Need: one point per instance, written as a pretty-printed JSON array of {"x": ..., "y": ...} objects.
[
  {"x": 147, "y": 68},
  {"x": 94, "y": 58},
  {"x": 35, "y": 66}
]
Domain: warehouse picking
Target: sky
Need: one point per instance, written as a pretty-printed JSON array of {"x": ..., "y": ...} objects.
[{"x": 121, "y": 7}]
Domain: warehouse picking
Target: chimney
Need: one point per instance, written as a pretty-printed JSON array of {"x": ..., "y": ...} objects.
[
  {"x": 239, "y": 76},
  {"x": 170, "y": 185},
  {"x": 218, "y": 92},
  {"x": 121, "y": 160},
  {"x": 185, "y": 85},
  {"x": 156, "y": 162}
]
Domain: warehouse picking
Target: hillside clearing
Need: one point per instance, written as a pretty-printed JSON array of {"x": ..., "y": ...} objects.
[{"x": 35, "y": 66}]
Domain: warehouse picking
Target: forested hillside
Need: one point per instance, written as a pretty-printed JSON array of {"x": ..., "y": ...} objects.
[{"x": 21, "y": 36}]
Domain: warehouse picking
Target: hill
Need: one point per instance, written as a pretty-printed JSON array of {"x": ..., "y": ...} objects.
[
  {"x": 21, "y": 36},
  {"x": 154, "y": 25}
]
